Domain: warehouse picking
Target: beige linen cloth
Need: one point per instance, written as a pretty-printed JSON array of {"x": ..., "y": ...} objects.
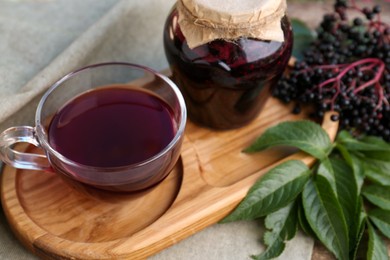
[{"x": 41, "y": 40}]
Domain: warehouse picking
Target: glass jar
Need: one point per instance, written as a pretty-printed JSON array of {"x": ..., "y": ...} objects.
[{"x": 225, "y": 83}]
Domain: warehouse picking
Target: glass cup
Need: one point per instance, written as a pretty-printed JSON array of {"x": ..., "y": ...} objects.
[{"x": 127, "y": 178}]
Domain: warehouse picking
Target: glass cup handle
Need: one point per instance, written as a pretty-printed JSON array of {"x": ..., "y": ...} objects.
[{"x": 20, "y": 160}]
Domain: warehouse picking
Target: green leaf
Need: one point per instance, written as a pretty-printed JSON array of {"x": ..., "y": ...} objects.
[
  {"x": 382, "y": 155},
  {"x": 365, "y": 145},
  {"x": 303, "y": 223},
  {"x": 303, "y": 36},
  {"x": 356, "y": 164},
  {"x": 276, "y": 189},
  {"x": 305, "y": 135},
  {"x": 325, "y": 216},
  {"x": 347, "y": 194},
  {"x": 377, "y": 249},
  {"x": 377, "y": 171},
  {"x": 378, "y": 195},
  {"x": 346, "y": 189},
  {"x": 381, "y": 219},
  {"x": 359, "y": 235},
  {"x": 282, "y": 225},
  {"x": 325, "y": 169},
  {"x": 374, "y": 140},
  {"x": 378, "y": 155},
  {"x": 272, "y": 251}
]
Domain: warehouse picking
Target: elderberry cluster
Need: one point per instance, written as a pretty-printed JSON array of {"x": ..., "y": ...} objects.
[{"x": 347, "y": 70}]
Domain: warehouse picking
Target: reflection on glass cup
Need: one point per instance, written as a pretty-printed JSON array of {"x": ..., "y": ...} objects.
[{"x": 113, "y": 126}]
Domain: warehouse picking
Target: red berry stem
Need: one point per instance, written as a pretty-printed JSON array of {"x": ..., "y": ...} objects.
[
  {"x": 378, "y": 73},
  {"x": 367, "y": 64}
]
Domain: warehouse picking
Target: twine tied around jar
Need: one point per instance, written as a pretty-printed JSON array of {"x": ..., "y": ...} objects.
[{"x": 203, "y": 21}]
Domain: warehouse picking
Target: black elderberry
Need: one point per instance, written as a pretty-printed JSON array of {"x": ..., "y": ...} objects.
[
  {"x": 376, "y": 9},
  {"x": 368, "y": 13},
  {"x": 341, "y": 3},
  {"x": 334, "y": 117},
  {"x": 358, "y": 21},
  {"x": 366, "y": 127},
  {"x": 297, "y": 109},
  {"x": 345, "y": 69},
  {"x": 377, "y": 34},
  {"x": 344, "y": 28}
]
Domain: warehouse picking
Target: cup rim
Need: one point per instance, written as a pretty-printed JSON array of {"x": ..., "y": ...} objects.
[{"x": 42, "y": 134}]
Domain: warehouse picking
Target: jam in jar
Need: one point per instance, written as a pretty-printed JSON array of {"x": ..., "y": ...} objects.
[{"x": 225, "y": 82}]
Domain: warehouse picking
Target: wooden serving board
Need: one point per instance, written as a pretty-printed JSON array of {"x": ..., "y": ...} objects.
[{"x": 57, "y": 222}]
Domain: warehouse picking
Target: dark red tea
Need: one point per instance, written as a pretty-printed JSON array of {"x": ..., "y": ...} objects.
[{"x": 112, "y": 126}]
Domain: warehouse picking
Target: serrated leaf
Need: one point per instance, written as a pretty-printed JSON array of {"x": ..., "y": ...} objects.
[
  {"x": 305, "y": 135},
  {"x": 377, "y": 249},
  {"x": 359, "y": 235},
  {"x": 347, "y": 194},
  {"x": 353, "y": 144},
  {"x": 303, "y": 223},
  {"x": 325, "y": 216},
  {"x": 377, "y": 171},
  {"x": 276, "y": 189},
  {"x": 346, "y": 189},
  {"x": 378, "y": 155},
  {"x": 303, "y": 36},
  {"x": 382, "y": 155},
  {"x": 374, "y": 140},
  {"x": 281, "y": 223},
  {"x": 325, "y": 169},
  {"x": 272, "y": 251},
  {"x": 381, "y": 219},
  {"x": 378, "y": 195},
  {"x": 356, "y": 164}
]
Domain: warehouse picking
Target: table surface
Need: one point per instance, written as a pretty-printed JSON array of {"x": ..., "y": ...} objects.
[{"x": 35, "y": 32}]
